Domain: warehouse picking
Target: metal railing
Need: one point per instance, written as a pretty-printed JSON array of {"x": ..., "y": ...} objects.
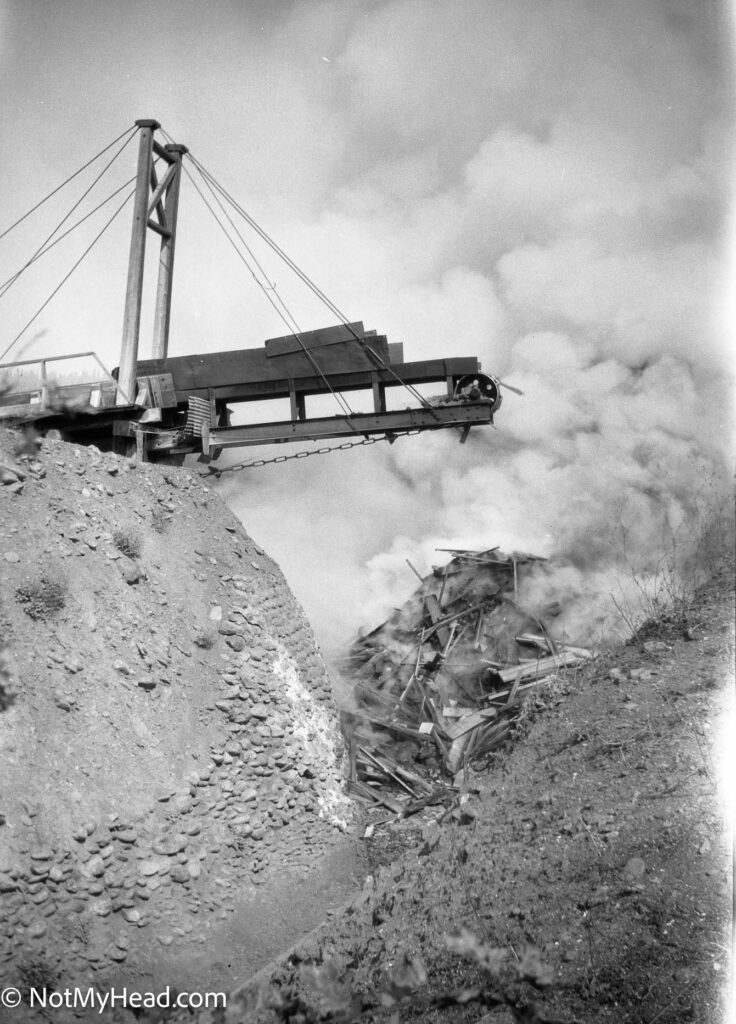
[{"x": 45, "y": 392}]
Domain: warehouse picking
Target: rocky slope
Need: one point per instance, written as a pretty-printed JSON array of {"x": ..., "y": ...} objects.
[
  {"x": 168, "y": 743},
  {"x": 592, "y": 855}
]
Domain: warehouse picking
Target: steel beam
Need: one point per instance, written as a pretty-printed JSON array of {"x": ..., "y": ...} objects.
[
  {"x": 162, "y": 315},
  {"x": 355, "y": 426},
  {"x": 134, "y": 289}
]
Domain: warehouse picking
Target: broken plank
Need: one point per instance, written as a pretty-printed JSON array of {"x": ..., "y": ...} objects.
[
  {"x": 537, "y": 668},
  {"x": 433, "y": 609},
  {"x": 535, "y": 641},
  {"x": 384, "y": 767},
  {"x": 468, "y": 722},
  {"x": 400, "y": 769},
  {"x": 500, "y": 694},
  {"x": 361, "y": 789}
]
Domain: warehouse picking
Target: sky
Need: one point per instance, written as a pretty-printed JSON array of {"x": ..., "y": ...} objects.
[{"x": 544, "y": 184}]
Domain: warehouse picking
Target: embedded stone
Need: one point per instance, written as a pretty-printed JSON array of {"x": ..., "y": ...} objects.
[
  {"x": 96, "y": 866},
  {"x": 170, "y": 845},
  {"x": 102, "y": 906},
  {"x": 41, "y": 853},
  {"x": 37, "y": 929}
]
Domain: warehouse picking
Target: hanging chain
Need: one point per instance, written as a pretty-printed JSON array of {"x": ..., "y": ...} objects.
[{"x": 256, "y": 463}]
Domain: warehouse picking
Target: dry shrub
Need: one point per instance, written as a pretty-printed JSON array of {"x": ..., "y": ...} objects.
[
  {"x": 42, "y": 598},
  {"x": 128, "y": 543}
]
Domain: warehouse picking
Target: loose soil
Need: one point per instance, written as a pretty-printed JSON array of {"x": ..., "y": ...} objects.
[
  {"x": 596, "y": 836},
  {"x": 171, "y": 798}
]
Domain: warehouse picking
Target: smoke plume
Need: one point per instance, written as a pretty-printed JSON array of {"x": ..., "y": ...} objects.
[{"x": 541, "y": 185}]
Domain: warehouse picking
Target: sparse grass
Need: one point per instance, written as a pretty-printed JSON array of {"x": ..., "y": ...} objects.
[
  {"x": 656, "y": 595},
  {"x": 42, "y": 598},
  {"x": 39, "y": 975},
  {"x": 128, "y": 543}
]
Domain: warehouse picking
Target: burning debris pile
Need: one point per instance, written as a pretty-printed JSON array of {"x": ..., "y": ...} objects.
[{"x": 441, "y": 682}]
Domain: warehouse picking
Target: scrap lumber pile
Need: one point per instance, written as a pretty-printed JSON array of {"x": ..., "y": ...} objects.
[{"x": 441, "y": 682}]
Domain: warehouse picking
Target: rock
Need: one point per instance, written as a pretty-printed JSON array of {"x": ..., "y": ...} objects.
[
  {"x": 132, "y": 572},
  {"x": 216, "y": 613},
  {"x": 147, "y": 683},
  {"x": 642, "y": 673},
  {"x": 102, "y": 906},
  {"x": 194, "y": 868},
  {"x": 96, "y": 866},
  {"x": 165, "y": 939},
  {"x": 41, "y": 853},
  {"x": 237, "y": 643},
  {"x": 126, "y": 835},
  {"x": 634, "y": 868},
  {"x": 132, "y": 915},
  {"x": 148, "y": 867},
  {"x": 37, "y": 929},
  {"x": 121, "y": 666},
  {"x": 169, "y": 846},
  {"x": 12, "y": 556}
]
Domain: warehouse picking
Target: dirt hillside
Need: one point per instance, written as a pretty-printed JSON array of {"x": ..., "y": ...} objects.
[
  {"x": 584, "y": 875},
  {"x": 172, "y": 809},
  {"x": 169, "y": 756}
]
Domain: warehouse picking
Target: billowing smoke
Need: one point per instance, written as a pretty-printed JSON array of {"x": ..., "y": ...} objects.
[{"x": 541, "y": 185}]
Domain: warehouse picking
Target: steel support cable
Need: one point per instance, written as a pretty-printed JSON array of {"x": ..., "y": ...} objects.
[
  {"x": 339, "y": 398},
  {"x": 293, "y": 327},
  {"x": 374, "y": 356},
  {"x": 252, "y": 255},
  {"x": 67, "y": 276},
  {"x": 84, "y": 167},
  {"x": 254, "y": 258},
  {"x": 56, "y": 241},
  {"x": 11, "y": 281}
]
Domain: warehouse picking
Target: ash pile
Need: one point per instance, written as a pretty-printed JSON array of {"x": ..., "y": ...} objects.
[{"x": 441, "y": 683}]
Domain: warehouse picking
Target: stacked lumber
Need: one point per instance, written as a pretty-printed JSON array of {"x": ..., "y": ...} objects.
[{"x": 441, "y": 682}]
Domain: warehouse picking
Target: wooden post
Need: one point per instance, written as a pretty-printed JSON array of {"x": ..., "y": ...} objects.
[
  {"x": 162, "y": 316},
  {"x": 134, "y": 290}
]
